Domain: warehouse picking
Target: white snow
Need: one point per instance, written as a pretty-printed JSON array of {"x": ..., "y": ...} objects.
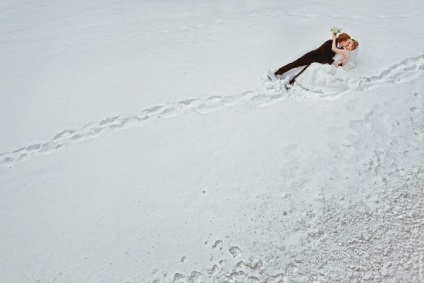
[{"x": 140, "y": 143}]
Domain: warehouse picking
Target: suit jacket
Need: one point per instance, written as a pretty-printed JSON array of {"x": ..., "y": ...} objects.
[{"x": 324, "y": 54}]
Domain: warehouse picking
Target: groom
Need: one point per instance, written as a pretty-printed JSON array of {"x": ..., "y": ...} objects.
[{"x": 322, "y": 54}]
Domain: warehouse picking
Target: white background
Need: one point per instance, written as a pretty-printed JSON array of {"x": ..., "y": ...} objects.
[{"x": 139, "y": 142}]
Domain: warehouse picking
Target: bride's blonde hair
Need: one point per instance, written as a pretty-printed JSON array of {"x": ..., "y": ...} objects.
[{"x": 355, "y": 44}]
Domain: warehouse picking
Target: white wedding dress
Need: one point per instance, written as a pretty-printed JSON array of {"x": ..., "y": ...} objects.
[{"x": 321, "y": 77}]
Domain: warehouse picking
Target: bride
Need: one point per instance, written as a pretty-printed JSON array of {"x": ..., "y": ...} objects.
[{"x": 320, "y": 77}]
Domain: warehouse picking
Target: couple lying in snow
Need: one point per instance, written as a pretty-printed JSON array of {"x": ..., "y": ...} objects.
[{"x": 321, "y": 65}]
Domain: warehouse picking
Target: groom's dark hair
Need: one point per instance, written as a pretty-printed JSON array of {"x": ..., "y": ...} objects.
[{"x": 343, "y": 37}]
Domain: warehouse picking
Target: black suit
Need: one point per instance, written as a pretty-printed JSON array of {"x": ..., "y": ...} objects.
[{"x": 322, "y": 54}]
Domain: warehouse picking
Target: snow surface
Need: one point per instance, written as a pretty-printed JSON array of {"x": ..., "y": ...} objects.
[{"x": 140, "y": 143}]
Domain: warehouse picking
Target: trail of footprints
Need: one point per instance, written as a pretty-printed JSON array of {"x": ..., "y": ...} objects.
[
  {"x": 407, "y": 70},
  {"x": 120, "y": 122}
]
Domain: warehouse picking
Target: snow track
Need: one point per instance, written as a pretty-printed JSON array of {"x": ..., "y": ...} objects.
[{"x": 407, "y": 70}]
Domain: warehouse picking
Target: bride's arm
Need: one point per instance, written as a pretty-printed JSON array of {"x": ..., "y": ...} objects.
[
  {"x": 343, "y": 52},
  {"x": 339, "y": 60}
]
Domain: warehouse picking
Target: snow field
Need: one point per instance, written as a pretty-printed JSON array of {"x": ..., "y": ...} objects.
[{"x": 141, "y": 144}]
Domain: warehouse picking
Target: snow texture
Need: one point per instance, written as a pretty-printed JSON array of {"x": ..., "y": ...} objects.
[{"x": 141, "y": 142}]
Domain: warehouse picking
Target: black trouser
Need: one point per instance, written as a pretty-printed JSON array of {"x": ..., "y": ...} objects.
[{"x": 308, "y": 58}]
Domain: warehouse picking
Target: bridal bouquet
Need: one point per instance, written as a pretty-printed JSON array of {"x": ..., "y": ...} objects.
[{"x": 335, "y": 30}]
